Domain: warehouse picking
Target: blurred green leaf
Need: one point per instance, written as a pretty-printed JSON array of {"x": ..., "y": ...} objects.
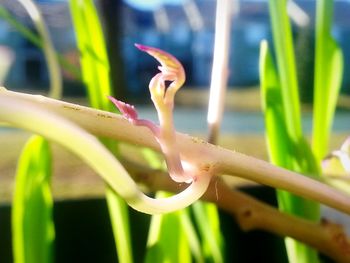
[
  {"x": 287, "y": 148},
  {"x": 119, "y": 215},
  {"x": 95, "y": 74},
  {"x": 32, "y": 223},
  {"x": 207, "y": 219},
  {"x": 93, "y": 54},
  {"x": 36, "y": 40},
  {"x": 283, "y": 42},
  {"x": 328, "y": 77},
  {"x": 191, "y": 234},
  {"x": 276, "y": 131}
]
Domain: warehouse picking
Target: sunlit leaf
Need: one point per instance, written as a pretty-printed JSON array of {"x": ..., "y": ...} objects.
[
  {"x": 328, "y": 76},
  {"x": 286, "y": 144},
  {"x": 32, "y": 223},
  {"x": 95, "y": 74},
  {"x": 207, "y": 220}
]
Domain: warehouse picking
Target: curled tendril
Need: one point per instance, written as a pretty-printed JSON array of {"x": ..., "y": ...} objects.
[
  {"x": 162, "y": 96},
  {"x": 171, "y": 71}
]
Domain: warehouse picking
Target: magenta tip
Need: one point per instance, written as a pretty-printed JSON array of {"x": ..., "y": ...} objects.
[{"x": 141, "y": 47}]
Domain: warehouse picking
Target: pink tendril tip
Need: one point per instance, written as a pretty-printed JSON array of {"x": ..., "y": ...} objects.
[
  {"x": 169, "y": 64},
  {"x": 128, "y": 111}
]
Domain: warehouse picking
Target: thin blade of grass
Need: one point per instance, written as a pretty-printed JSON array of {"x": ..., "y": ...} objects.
[
  {"x": 207, "y": 220},
  {"x": 277, "y": 137},
  {"x": 283, "y": 42},
  {"x": 36, "y": 40},
  {"x": 93, "y": 55},
  {"x": 192, "y": 237},
  {"x": 32, "y": 222},
  {"x": 95, "y": 74},
  {"x": 328, "y": 76},
  {"x": 47, "y": 47},
  {"x": 282, "y": 151},
  {"x": 119, "y": 215}
]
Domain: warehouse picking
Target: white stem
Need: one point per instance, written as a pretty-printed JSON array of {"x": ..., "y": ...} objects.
[
  {"x": 193, "y": 150},
  {"x": 31, "y": 117},
  {"x": 219, "y": 75}
]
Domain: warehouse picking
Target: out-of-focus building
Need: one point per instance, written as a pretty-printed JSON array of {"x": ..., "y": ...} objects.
[{"x": 184, "y": 28}]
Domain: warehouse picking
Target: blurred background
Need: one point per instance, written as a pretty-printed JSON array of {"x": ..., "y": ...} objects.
[{"x": 184, "y": 28}]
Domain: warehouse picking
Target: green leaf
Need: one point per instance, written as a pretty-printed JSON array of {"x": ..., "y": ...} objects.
[
  {"x": 328, "y": 76},
  {"x": 120, "y": 224},
  {"x": 283, "y": 42},
  {"x": 36, "y": 40},
  {"x": 285, "y": 151},
  {"x": 191, "y": 234},
  {"x": 95, "y": 74},
  {"x": 93, "y": 54},
  {"x": 32, "y": 223},
  {"x": 207, "y": 219},
  {"x": 278, "y": 140}
]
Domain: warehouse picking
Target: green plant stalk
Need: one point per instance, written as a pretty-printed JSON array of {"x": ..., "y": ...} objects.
[
  {"x": 32, "y": 222},
  {"x": 273, "y": 109},
  {"x": 191, "y": 235},
  {"x": 297, "y": 152},
  {"x": 279, "y": 145},
  {"x": 35, "y": 39},
  {"x": 94, "y": 60},
  {"x": 283, "y": 42},
  {"x": 206, "y": 216},
  {"x": 328, "y": 75},
  {"x": 120, "y": 224},
  {"x": 95, "y": 73}
]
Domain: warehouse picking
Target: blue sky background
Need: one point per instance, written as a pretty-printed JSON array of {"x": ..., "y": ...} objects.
[{"x": 151, "y": 4}]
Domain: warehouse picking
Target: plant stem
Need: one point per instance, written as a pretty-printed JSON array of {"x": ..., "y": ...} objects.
[
  {"x": 252, "y": 214},
  {"x": 206, "y": 156},
  {"x": 219, "y": 74},
  {"x": 17, "y": 112}
]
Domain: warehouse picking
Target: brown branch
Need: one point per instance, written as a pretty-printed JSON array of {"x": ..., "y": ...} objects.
[{"x": 328, "y": 238}]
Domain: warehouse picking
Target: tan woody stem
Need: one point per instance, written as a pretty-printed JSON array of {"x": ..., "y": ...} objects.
[
  {"x": 199, "y": 153},
  {"x": 35, "y": 118}
]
